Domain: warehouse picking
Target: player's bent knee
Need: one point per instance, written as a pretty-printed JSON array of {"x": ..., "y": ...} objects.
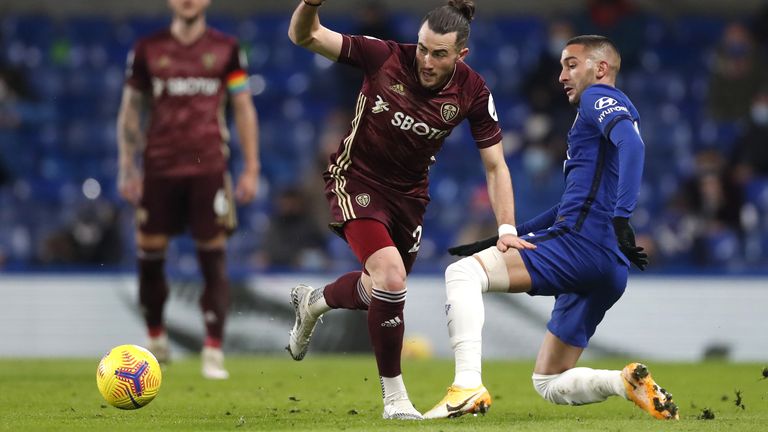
[
  {"x": 393, "y": 281},
  {"x": 496, "y": 268},
  {"x": 151, "y": 241},
  {"x": 389, "y": 277},
  {"x": 455, "y": 269},
  {"x": 468, "y": 273},
  {"x": 217, "y": 242},
  {"x": 544, "y": 387}
]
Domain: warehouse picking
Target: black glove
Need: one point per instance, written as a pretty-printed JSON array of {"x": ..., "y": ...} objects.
[
  {"x": 625, "y": 236},
  {"x": 473, "y": 248}
]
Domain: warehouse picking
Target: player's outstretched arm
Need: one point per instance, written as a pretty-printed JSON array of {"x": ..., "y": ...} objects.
[
  {"x": 247, "y": 124},
  {"x": 501, "y": 197},
  {"x": 539, "y": 222},
  {"x": 306, "y": 31},
  {"x": 130, "y": 143}
]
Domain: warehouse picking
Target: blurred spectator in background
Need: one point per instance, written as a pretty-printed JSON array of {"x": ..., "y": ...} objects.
[
  {"x": 714, "y": 203},
  {"x": 738, "y": 72},
  {"x": 92, "y": 238},
  {"x": 12, "y": 88},
  {"x": 5, "y": 175},
  {"x": 480, "y": 221},
  {"x": 293, "y": 240},
  {"x": 543, "y": 91},
  {"x": 760, "y": 27},
  {"x": 538, "y": 174},
  {"x": 619, "y": 20},
  {"x": 751, "y": 153},
  {"x": 336, "y": 125},
  {"x": 372, "y": 20},
  {"x": 9, "y": 118},
  {"x": 608, "y": 14}
]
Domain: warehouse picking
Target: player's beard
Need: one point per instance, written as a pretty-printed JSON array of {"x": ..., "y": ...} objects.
[
  {"x": 437, "y": 80},
  {"x": 191, "y": 20}
]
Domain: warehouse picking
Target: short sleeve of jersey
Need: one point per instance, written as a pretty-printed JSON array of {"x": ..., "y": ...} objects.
[
  {"x": 136, "y": 70},
  {"x": 604, "y": 106},
  {"x": 365, "y": 52},
  {"x": 235, "y": 72},
  {"x": 483, "y": 120}
]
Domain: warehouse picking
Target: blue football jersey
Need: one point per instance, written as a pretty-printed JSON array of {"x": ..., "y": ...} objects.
[{"x": 592, "y": 166}]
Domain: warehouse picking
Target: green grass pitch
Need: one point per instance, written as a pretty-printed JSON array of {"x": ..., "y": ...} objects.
[{"x": 342, "y": 393}]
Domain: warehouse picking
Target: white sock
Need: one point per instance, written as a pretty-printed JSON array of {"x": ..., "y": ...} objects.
[
  {"x": 393, "y": 389},
  {"x": 579, "y": 386},
  {"x": 465, "y": 282},
  {"x": 317, "y": 304}
]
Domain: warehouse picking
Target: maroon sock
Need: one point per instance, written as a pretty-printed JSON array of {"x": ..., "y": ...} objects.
[
  {"x": 215, "y": 299},
  {"x": 347, "y": 292},
  {"x": 386, "y": 328},
  {"x": 153, "y": 288}
]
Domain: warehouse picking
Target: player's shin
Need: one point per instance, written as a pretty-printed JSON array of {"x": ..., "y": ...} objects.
[
  {"x": 386, "y": 329},
  {"x": 465, "y": 282},
  {"x": 214, "y": 301},
  {"x": 153, "y": 292},
  {"x": 153, "y": 287},
  {"x": 579, "y": 386}
]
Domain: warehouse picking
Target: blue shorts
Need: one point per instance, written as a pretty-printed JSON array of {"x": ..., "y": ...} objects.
[{"x": 585, "y": 277}]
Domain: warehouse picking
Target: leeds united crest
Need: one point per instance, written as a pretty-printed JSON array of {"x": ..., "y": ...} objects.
[
  {"x": 449, "y": 111},
  {"x": 363, "y": 199}
]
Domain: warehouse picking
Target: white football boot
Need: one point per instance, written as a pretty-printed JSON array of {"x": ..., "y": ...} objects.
[
  {"x": 158, "y": 346},
  {"x": 301, "y": 334},
  {"x": 213, "y": 364}
]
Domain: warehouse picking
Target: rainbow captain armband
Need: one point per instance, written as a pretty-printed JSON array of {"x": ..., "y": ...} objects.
[{"x": 237, "y": 81}]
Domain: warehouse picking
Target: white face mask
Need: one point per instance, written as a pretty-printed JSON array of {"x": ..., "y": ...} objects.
[
  {"x": 760, "y": 113},
  {"x": 556, "y": 45},
  {"x": 536, "y": 160}
]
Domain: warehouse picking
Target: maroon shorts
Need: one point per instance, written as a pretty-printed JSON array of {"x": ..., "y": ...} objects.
[
  {"x": 403, "y": 215},
  {"x": 203, "y": 203}
]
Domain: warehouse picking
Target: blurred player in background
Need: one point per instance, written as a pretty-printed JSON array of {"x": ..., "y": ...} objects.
[
  {"x": 412, "y": 96},
  {"x": 183, "y": 77},
  {"x": 584, "y": 247}
]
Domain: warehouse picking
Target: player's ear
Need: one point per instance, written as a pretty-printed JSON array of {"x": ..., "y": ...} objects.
[
  {"x": 463, "y": 53},
  {"x": 602, "y": 69}
]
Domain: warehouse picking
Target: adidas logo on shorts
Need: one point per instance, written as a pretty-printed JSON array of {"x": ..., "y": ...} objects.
[{"x": 394, "y": 322}]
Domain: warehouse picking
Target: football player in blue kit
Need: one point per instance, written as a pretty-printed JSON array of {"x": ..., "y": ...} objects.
[{"x": 584, "y": 246}]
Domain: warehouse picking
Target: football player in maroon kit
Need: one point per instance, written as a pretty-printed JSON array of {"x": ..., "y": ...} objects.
[
  {"x": 182, "y": 78},
  {"x": 412, "y": 96}
]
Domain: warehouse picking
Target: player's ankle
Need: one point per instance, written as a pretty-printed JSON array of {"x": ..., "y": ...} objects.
[
  {"x": 468, "y": 379},
  {"x": 212, "y": 342}
]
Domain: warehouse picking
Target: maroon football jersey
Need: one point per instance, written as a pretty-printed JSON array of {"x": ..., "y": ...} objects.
[
  {"x": 399, "y": 126},
  {"x": 187, "y": 132}
]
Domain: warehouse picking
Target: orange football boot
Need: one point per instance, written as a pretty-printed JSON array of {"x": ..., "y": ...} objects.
[{"x": 645, "y": 393}]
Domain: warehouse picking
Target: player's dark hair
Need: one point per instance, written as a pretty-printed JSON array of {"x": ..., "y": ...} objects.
[
  {"x": 452, "y": 17},
  {"x": 594, "y": 42}
]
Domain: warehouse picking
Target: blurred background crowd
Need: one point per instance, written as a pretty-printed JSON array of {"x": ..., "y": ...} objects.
[{"x": 698, "y": 80}]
